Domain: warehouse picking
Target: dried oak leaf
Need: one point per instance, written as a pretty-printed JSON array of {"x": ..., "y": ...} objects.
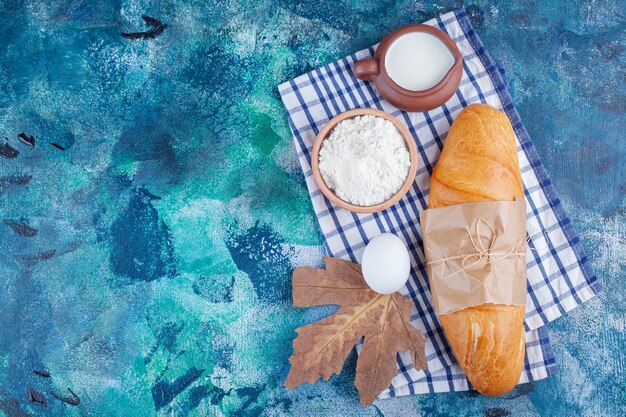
[{"x": 321, "y": 348}]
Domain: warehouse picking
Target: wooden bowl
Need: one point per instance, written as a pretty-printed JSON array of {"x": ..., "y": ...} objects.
[{"x": 323, "y": 135}]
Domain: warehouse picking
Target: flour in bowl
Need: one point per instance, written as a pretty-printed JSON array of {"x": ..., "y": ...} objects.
[{"x": 365, "y": 160}]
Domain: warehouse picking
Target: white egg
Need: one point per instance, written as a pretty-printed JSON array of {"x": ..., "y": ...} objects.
[{"x": 386, "y": 264}]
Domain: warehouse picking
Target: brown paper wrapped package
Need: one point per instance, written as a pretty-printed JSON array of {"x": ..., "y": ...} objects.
[
  {"x": 479, "y": 163},
  {"x": 469, "y": 248}
]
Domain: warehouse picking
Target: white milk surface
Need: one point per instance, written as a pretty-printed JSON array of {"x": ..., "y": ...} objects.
[{"x": 418, "y": 61}]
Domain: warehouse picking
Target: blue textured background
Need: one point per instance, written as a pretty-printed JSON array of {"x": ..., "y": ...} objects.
[{"x": 147, "y": 265}]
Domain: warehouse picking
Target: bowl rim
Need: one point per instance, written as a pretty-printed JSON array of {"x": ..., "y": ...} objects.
[{"x": 323, "y": 135}]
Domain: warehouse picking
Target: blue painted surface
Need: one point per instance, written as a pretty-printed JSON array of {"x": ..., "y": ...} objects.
[{"x": 145, "y": 261}]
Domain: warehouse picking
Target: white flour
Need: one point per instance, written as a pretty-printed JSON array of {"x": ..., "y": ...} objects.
[{"x": 365, "y": 160}]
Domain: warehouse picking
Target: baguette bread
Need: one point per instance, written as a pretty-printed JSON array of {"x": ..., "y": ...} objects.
[{"x": 479, "y": 163}]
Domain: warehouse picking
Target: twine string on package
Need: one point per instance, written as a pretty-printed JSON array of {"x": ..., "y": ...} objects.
[{"x": 475, "y": 254}]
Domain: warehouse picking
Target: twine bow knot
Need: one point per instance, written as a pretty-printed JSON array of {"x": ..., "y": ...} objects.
[{"x": 481, "y": 253}]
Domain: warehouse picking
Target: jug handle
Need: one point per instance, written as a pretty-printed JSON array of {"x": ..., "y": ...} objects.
[{"x": 366, "y": 69}]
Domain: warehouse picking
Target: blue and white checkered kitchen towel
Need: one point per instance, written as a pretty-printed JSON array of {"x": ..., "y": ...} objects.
[{"x": 559, "y": 277}]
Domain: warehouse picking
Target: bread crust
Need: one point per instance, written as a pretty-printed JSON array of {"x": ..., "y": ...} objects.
[{"x": 479, "y": 163}]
